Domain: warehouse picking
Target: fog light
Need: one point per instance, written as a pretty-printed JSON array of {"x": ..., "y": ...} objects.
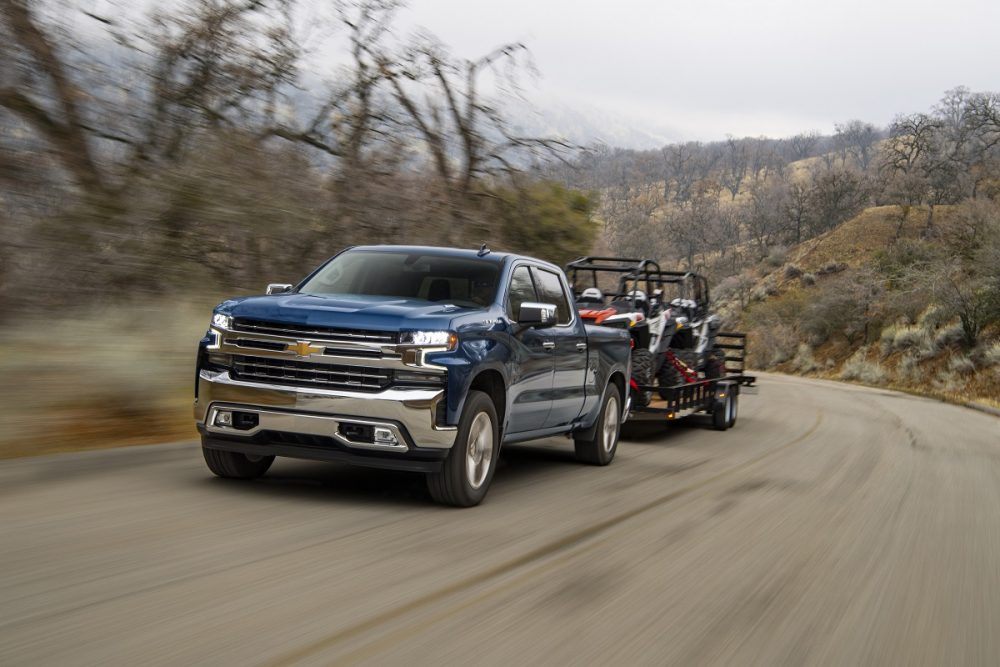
[
  {"x": 223, "y": 418},
  {"x": 384, "y": 436}
]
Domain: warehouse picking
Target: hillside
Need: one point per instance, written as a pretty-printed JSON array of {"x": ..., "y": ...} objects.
[{"x": 868, "y": 301}]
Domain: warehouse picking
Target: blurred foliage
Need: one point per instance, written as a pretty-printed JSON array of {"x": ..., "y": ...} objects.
[
  {"x": 180, "y": 151},
  {"x": 547, "y": 220}
]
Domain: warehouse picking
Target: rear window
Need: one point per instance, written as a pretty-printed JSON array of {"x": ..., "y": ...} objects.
[{"x": 456, "y": 280}]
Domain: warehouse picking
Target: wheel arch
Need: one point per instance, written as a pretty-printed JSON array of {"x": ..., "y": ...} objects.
[{"x": 491, "y": 382}]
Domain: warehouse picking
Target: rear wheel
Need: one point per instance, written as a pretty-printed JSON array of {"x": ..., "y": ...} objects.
[
  {"x": 722, "y": 412},
  {"x": 642, "y": 373},
  {"x": 600, "y": 449},
  {"x": 233, "y": 465},
  {"x": 467, "y": 472}
]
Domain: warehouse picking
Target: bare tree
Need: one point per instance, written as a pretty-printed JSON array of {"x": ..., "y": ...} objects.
[
  {"x": 857, "y": 139},
  {"x": 736, "y": 162},
  {"x": 803, "y": 145}
]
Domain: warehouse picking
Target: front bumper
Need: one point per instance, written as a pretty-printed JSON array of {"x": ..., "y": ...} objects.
[{"x": 312, "y": 417}]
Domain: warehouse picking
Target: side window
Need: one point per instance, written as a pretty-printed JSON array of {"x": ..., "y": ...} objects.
[
  {"x": 521, "y": 290},
  {"x": 550, "y": 290}
]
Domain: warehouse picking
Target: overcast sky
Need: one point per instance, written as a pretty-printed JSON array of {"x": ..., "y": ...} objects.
[{"x": 705, "y": 68}]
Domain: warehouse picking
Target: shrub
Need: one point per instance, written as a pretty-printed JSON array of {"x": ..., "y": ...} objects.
[
  {"x": 961, "y": 364},
  {"x": 832, "y": 267},
  {"x": 792, "y": 272},
  {"x": 991, "y": 357},
  {"x": 808, "y": 279},
  {"x": 804, "y": 361},
  {"x": 933, "y": 317},
  {"x": 910, "y": 338},
  {"x": 951, "y": 336},
  {"x": 860, "y": 369},
  {"x": 546, "y": 219},
  {"x": 887, "y": 340},
  {"x": 772, "y": 345},
  {"x": 776, "y": 256},
  {"x": 948, "y": 382},
  {"x": 908, "y": 370}
]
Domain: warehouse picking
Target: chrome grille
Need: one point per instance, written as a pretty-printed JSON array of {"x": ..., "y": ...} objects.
[
  {"x": 306, "y": 374},
  {"x": 315, "y": 333}
]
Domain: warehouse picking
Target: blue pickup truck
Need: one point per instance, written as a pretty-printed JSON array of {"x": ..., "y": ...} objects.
[{"x": 409, "y": 358}]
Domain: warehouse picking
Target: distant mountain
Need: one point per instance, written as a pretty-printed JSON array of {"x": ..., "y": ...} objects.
[{"x": 585, "y": 124}]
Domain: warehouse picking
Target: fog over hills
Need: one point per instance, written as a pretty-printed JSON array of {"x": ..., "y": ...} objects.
[{"x": 585, "y": 124}]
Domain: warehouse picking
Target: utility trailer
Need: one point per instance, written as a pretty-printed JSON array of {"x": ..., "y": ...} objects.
[{"x": 716, "y": 397}]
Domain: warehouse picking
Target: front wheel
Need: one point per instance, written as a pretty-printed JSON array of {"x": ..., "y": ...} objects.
[
  {"x": 466, "y": 474},
  {"x": 600, "y": 449},
  {"x": 233, "y": 465}
]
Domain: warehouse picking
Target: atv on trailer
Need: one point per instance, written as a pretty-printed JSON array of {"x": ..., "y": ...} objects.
[
  {"x": 698, "y": 367},
  {"x": 616, "y": 292},
  {"x": 688, "y": 349}
]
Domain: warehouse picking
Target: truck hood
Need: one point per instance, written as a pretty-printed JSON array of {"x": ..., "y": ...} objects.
[{"x": 345, "y": 311}]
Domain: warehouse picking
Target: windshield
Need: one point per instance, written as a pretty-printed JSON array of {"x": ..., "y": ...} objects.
[{"x": 456, "y": 280}]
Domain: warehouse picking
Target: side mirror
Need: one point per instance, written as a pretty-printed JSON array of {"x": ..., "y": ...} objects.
[
  {"x": 537, "y": 314},
  {"x": 278, "y": 288}
]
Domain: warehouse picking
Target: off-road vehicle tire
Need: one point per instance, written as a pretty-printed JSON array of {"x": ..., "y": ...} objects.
[
  {"x": 642, "y": 373},
  {"x": 599, "y": 450},
  {"x": 715, "y": 364},
  {"x": 234, "y": 465},
  {"x": 667, "y": 377},
  {"x": 466, "y": 474}
]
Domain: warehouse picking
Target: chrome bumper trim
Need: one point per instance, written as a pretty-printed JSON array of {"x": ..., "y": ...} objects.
[
  {"x": 411, "y": 412},
  {"x": 292, "y": 422}
]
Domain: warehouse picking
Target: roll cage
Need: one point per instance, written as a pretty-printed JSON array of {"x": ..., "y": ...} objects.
[{"x": 632, "y": 274}]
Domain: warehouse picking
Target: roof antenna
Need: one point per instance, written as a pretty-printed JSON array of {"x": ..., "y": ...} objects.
[{"x": 483, "y": 250}]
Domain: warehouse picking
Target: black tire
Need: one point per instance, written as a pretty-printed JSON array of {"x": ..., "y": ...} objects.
[
  {"x": 233, "y": 465},
  {"x": 599, "y": 450},
  {"x": 642, "y": 373},
  {"x": 721, "y": 413},
  {"x": 715, "y": 365},
  {"x": 734, "y": 411},
  {"x": 456, "y": 483},
  {"x": 668, "y": 377}
]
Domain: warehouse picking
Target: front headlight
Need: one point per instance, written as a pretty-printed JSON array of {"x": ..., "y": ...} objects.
[
  {"x": 221, "y": 321},
  {"x": 444, "y": 339}
]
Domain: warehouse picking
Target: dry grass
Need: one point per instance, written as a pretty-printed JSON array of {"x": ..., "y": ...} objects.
[
  {"x": 856, "y": 241},
  {"x": 101, "y": 379},
  {"x": 920, "y": 355}
]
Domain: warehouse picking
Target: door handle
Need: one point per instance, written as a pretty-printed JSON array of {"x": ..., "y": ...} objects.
[
  {"x": 581, "y": 347},
  {"x": 548, "y": 344}
]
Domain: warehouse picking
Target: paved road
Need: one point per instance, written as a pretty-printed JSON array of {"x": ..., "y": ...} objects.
[{"x": 833, "y": 525}]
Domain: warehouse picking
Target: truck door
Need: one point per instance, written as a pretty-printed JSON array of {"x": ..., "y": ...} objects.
[
  {"x": 569, "y": 352},
  {"x": 531, "y": 377}
]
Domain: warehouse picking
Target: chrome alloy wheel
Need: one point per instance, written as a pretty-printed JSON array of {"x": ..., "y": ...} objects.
[
  {"x": 479, "y": 450},
  {"x": 609, "y": 433}
]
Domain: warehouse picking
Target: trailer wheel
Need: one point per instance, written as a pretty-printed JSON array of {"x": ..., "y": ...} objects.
[
  {"x": 734, "y": 409},
  {"x": 722, "y": 412}
]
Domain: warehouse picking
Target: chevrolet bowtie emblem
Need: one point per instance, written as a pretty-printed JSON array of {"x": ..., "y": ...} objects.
[{"x": 303, "y": 348}]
